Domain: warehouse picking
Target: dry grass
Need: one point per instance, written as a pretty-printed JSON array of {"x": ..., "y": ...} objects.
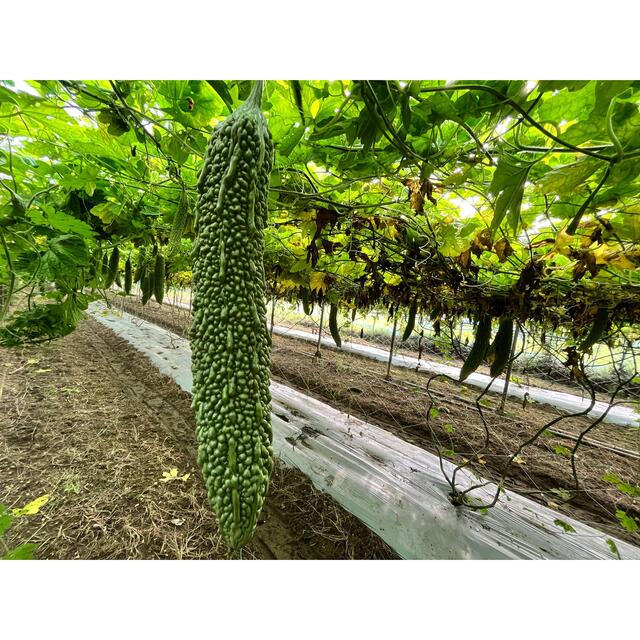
[{"x": 90, "y": 422}]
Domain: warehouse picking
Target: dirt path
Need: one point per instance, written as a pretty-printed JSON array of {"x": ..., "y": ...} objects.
[
  {"x": 543, "y": 472},
  {"x": 89, "y": 421}
]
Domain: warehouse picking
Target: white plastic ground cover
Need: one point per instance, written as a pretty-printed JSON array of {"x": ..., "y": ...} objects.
[
  {"x": 620, "y": 415},
  {"x": 395, "y": 488},
  {"x": 571, "y": 403}
]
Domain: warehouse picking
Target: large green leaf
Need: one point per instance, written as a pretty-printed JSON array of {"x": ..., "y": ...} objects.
[
  {"x": 507, "y": 187},
  {"x": 567, "y": 178}
]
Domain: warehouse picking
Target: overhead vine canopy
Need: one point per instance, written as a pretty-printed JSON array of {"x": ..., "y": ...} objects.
[{"x": 508, "y": 197}]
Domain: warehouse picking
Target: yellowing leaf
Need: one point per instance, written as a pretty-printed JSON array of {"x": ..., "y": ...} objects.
[
  {"x": 392, "y": 279},
  {"x": 519, "y": 460},
  {"x": 33, "y": 507},
  {"x": 318, "y": 281},
  {"x": 315, "y": 108},
  {"x": 167, "y": 476},
  {"x": 563, "y": 242},
  {"x": 616, "y": 259},
  {"x": 287, "y": 283},
  {"x": 622, "y": 262}
]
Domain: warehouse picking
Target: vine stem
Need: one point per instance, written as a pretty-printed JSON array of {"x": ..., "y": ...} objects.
[
  {"x": 507, "y": 377},
  {"x": 317, "y": 353},
  {"x": 573, "y": 225},
  {"x": 514, "y": 105},
  {"x": 12, "y": 276},
  {"x": 393, "y": 339}
]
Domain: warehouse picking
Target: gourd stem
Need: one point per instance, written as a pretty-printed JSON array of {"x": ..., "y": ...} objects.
[{"x": 255, "y": 97}]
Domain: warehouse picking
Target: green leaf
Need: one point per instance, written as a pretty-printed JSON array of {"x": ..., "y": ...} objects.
[
  {"x": 62, "y": 221},
  {"x": 564, "y": 180},
  {"x": 557, "y": 85},
  {"x": 564, "y": 525},
  {"x": 23, "y": 552},
  {"x": 508, "y": 185},
  {"x": 623, "y": 487},
  {"x": 563, "y": 494},
  {"x": 5, "y": 519},
  {"x": 220, "y": 87},
  {"x": 567, "y": 105},
  {"x": 106, "y": 211},
  {"x": 627, "y": 522},
  {"x": 177, "y": 149},
  {"x": 614, "y": 548},
  {"x": 290, "y": 141},
  {"x": 562, "y": 451}
]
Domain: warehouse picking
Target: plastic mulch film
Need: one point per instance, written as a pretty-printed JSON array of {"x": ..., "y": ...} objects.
[
  {"x": 395, "y": 488},
  {"x": 621, "y": 415}
]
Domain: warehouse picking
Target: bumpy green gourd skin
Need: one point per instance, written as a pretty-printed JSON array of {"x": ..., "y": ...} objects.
[
  {"x": 411, "y": 322},
  {"x": 178, "y": 226},
  {"x": 158, "y": 278},
  {"x": 104, "y": 270},
  {"x": 140, "y": 268},
  {"x": 147, "y": 284},
  {"x": 304, "y": 297},
  {"x": 597, "y": 329},
  {"x": 128, "y": 276},
  {"x": 113, "y": 267},
  {"x": 479, "y": 349},
  {"x": 502, "y": 346},
  {"x": 230, "y": 341},
  {"x": 333, "y": 325}
]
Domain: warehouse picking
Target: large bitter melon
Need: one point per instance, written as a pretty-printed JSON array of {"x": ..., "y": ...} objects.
[{"x": 230, "y": 341}]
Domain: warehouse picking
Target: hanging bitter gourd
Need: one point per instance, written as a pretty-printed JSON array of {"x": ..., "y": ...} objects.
[
  {"x": 128, "y": 276},
  {"x": 597, "y": 329},
  {"x": 333, "y": 325},
  {"x": 479, "y": 349},
  {"x": 140, "y": 267},
  {"x": 230, "y": 341},
  {"x": 179, "y": 224},
  {"x": 147, "y": 284},
  {"x": 411, "y": 321},
  {"x": 158, "y": 278},
  {"x": 501, "y": 346},
  {"x": 304, "y": 297},
  {"x": 112, "y": 271}
]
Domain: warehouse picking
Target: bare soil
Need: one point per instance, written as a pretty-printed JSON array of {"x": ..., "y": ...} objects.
[
  {"x": 90, "y": 422},
  {"x": 455, "y": 427}
]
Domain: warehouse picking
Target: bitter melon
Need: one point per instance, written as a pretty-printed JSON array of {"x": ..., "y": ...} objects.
[
  {"x": 501, "y": 346},
  {"x": 304, "y": 297},
  {"x": 597, "y": 329},
  {"x": 179, "y": 224},
  {"x": 333, "y": 325},
  {"x": 104, "y": 270},
  {"x": 140, "y": 267},
  {"x": 113, "y": 267},
  {"x": 230, "y": 340},
  {"x": 128, "y": 277},
  {"x": 411, "y": 321},
  {"x": 147, "y": 284},
  {"x": 479, "y": 349},
  {"x": 158, "y": 278}
]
